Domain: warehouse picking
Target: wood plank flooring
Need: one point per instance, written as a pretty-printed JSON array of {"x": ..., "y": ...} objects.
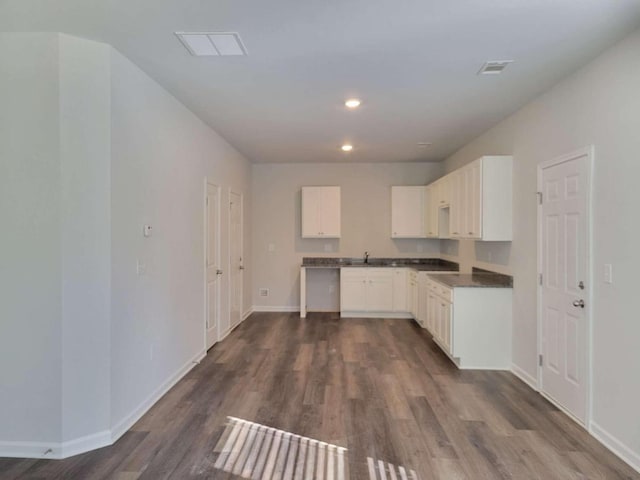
[{"x": 379, "y": 388}]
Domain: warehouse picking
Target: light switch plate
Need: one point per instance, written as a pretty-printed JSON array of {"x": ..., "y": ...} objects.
[
  {"x": 141, "y": 267},
  {"x": 608, "y": 273},
  {"x": 271, "y": 247}
]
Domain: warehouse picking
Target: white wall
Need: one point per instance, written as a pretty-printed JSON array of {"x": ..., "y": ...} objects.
[
  {"x": 85, "y": 138},
  {"x": 161, "y": 154},
  {"x": 366, "y": 225},
  {"x": 30, "y": 323},
  {"x": 599, "y": 105},
  {"x": 91, "y": 149}
]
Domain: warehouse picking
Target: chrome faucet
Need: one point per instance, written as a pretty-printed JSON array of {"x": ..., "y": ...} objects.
[{"x": 366, "y": 257}]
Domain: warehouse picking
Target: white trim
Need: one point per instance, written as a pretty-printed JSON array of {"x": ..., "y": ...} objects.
[
  {"x": 86, "y": 443},
  {"x": 588, "y": 152},
  {"x": 30, "y": 450},
  {"x": 207, "y": 183},
  {"x": 390, "y": 315},
  {"x": 127, "y": 422},
  {"x": 616, "y": 446},
  {"x": 525, "y": 376},
  {"x": 247, "y": 314},
  {"x": 266, "y": 308},
  {"x": 229, "y": 249}
]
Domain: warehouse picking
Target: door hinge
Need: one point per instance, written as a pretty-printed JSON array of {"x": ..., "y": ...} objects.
[
  {"x": 540, "y": 360},
  {"x": 539, "y": 194},
  {"x": 207, "y": 200},
  {"x": 539, "y": 279}
]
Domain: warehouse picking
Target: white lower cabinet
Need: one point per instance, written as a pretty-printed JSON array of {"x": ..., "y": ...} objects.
[
  {"x": 471, "y": 325},
  {"x": 412, "y": 293},
  {"x": 384, "y": 292},
  {"x": 400, "y": 289},
  {"x": 366, "y": 290}
]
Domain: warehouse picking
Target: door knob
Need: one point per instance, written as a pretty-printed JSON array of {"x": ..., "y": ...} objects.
[
  {"x": 241, "y": 267},
  {"x": 218, "y": 272},
  {"x": 578, "y": 303}
]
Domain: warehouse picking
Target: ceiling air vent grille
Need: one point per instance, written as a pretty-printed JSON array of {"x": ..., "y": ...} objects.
[
  {"x": 212, "y": 44},
  {"x": 494, "y": 67}
]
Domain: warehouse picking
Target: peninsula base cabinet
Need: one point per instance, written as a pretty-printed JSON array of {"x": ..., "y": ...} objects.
[{"x": 471, "y": 325}]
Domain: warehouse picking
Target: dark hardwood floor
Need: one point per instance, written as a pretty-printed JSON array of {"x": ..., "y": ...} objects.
[{"x": 379, "y": 388}]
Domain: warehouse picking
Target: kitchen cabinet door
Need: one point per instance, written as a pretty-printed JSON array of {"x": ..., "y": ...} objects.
[
  {"x": 380, "y": 292},
  {"x": 408, "y": 212},
  {"x": 353, "y": 292},
  {"x": 400, "y": 290},
  {"x": 458, "y": 204},
  {"x": 321, "y": 212},
  {"x": 472, "y": 211}
]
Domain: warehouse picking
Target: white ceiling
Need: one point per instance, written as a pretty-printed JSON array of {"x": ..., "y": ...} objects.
[{"x": 412, "y": 62}]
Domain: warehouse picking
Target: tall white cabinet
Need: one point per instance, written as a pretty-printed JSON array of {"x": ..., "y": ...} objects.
[{"x": 320, "y": 212}]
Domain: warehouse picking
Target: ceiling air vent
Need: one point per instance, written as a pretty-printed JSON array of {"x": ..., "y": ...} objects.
[
  {"x": 494, "y": 67},
  {"x": 212, "y": 44}
]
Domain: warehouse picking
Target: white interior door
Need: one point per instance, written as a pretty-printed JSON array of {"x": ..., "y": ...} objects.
[
  {"x": 213, "y": 271},
  {"x": 235, "y": 257},
  {"x": 564, "y": 299}
]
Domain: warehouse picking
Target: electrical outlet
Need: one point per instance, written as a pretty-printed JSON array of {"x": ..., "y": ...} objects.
[
  {"x": 264, "y": 292},
  {"x": 419, "y": 248},
  {"x": 271, "y": 247},
  {"x": 328, "y": 247}
]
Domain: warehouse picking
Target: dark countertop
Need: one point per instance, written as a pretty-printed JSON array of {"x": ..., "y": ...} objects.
[
  {"x": 420, "y": 264},
  {"x": 478, "y": 279}
]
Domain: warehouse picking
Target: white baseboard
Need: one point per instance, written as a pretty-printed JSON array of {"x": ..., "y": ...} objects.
[
  {"x": 525, "y": 376},
  {"x": 265, "y": 308},
  {"x": 86, "y": 443},
  {"x": 56, "y": 450},
  {"x": 616, "y": 446},
  {"x": 126, "y": 423},
  {"x": 386, "y": 315},
  {"x": 247, "y": 313},
  {"x": 51, "y": 450}
]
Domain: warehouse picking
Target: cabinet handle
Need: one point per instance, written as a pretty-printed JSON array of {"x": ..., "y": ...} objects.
[{"x": 455, "y": 233}]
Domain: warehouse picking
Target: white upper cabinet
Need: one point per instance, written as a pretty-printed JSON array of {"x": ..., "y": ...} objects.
[
  {"x": 438, "y": 207},
  {"x": 320, "y": 212},
  {"x": 481, "y": 200},
  {"x": 408, "y": 206}
]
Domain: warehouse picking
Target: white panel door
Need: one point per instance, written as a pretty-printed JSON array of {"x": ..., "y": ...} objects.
[
  {"x": 212, "y": 262},
  {"x": 236, "y": 266},
  {"x": 564, "y": 216}
]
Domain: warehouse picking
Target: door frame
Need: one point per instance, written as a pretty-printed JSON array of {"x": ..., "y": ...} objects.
[
  {"x": 589, "y": 152},
  {"x": 232, "y": 192},
  {"x": 207, "y": 182}
]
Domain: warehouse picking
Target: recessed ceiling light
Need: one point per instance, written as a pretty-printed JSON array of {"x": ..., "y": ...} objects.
[
  {"x": 424, "y": 144},
  {"x": 352, "y": 103},
  {"x": 208, "y": 44},
  {"x": 494, "y": 67},
  {"x": 346, "y": 147}
]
